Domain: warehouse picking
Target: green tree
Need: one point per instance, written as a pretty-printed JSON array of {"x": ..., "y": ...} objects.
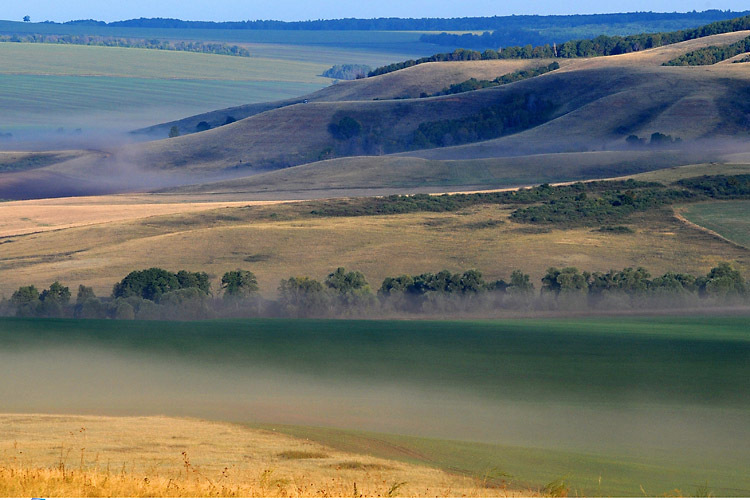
[
  {"x": 303, "y": 296},
  {"x": 239, "y": 283},
  {"x": 198, "y": 280},
  {"x": 27, "y": 19},
  {"x": 56, "y": 293},
  {"x": 346, "y": 128},
  {"x": 149, "y": 284},
  {"x": 26, "y": 300},
  {"x": 722, "y": 281},
  {"x": 566, "y": 280},
  {"x": 520, "y": 283},
  {"x": 351, "y": 288}
]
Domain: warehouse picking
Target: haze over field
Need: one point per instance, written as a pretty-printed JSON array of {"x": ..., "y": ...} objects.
[{"x": 234, "y": 221}]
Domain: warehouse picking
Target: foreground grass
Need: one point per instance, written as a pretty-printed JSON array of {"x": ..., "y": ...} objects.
[
  {"x": 609, "y": 404},
  {"x": 76, "y": 456},
  {"x": 730, "y": 219}
]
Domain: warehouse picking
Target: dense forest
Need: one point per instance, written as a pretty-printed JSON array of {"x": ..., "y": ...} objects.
[{"x": 600, "y": 46}]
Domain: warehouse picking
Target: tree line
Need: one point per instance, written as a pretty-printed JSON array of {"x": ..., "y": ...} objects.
[
  {"x": 474, "y": 84},
  {"x": 711, "y": 55},
  {"x": 525, "y": 23},
  {"x": 138, "y": 43},
  {"x": 159, "y": 294},
  {"x": 602, "y": 45}
]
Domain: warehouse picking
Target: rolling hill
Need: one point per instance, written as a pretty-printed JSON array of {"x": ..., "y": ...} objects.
[{"x": 587, "y": 105}]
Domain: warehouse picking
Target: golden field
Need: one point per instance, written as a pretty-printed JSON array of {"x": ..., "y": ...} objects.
[
  {"x": 280, "y": 240},
  {"x": 87, "y": 456}
]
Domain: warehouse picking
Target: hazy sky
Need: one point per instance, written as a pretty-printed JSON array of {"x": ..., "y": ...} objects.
[{"x": 294, "y": 10}]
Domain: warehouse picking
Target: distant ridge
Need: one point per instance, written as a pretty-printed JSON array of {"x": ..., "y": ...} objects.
[{"x": 523, "y": 22}]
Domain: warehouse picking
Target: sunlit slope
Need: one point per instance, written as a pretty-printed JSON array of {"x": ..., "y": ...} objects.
[
  {"x": 275, "y": 242},
  {"x": 408, "y": 83},
  {"x": 603, "y": 99},
  {"x": 391, "y": 174},
  {"x": 594, "y": 105}
]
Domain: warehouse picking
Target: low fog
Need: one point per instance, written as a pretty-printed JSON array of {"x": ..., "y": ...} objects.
[{"x": 94, "y": 381}]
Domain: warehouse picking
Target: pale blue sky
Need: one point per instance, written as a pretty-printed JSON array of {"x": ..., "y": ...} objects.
[{"x": 294, "y": 10}]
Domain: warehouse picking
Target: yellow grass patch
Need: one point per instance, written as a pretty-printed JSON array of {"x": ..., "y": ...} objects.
[
  {"x": 83, "y": 456},
  {"x": 34, "y": 216}
]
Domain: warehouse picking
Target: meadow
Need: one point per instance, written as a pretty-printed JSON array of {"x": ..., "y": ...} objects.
[
  {"x": 61, "y": 239},
  {"x": 612, "y": 405},
  {"x": 45, "y": 87},
  {"x": 730, "y": 219},
  {"x": 85, "y": 456}
]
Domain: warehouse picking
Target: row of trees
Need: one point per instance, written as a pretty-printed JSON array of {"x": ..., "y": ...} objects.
[
  {"x": 474, "y": 84},
  {"x": 139, "y": 43},
  {"x": 430, "y": 24},
  {"x": 159, "y": 294},
  {"x": 711, "y": 55},
  {"x": 602, "y": 45},
  {"x": 657, "y": 140}
]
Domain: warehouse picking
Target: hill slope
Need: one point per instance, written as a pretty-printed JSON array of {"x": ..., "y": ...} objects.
[{"x": 588, "y": 104}]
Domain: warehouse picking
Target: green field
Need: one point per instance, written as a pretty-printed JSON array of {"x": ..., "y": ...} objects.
[
  {"x": 660, "y": 403},
  {"x": 33, "y": 102},
  {"x": 49, "y": 86},
  {"x": 81, "y": 60},
  {"x": 731, "y": 219}
]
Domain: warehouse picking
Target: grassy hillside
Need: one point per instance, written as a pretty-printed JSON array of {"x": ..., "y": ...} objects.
[
  {"x": 587, "y": 105},
  {"x": 515, "y": 391},
  {"x": 646, "y": 98},
  {"x": 274, "y": 241},
  {"x": 389, "y": 174},
  {"x": 427, "y": 78}
]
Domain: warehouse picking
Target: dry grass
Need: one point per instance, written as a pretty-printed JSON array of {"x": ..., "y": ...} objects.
[
  {"x": 35, "y": 216},
  {"x": 293, "y": 243},
  {"x": 76, "y": 456}
]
